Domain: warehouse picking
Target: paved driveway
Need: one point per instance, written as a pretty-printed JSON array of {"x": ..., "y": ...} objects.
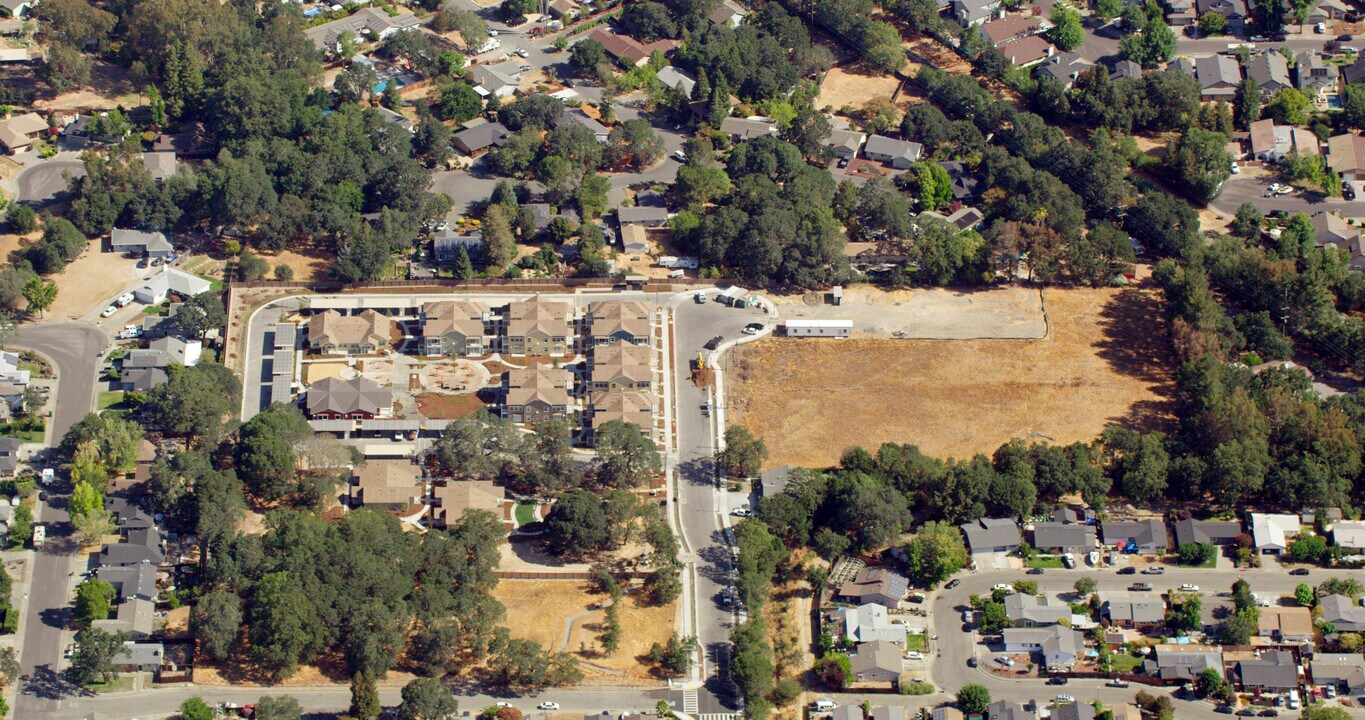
[
  {"x": 1252, "y": 189},
  {"x": 45, "y": 181}
]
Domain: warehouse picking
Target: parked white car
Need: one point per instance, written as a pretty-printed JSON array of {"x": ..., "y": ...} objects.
[
  {"x": 914, "y": 655},
  {"x": 109, "y": 311},
  {"x": 547, "y": 705},
  {"x": 1189, "y": 587},
  {"x": 742, "y": 512}
]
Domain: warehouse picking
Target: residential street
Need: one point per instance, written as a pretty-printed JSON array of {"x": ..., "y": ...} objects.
[{"x": 74, "y": 349}]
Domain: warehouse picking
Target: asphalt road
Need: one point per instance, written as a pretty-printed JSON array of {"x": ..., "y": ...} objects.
[
  {"x": 44, "y": 181},
  {"x": 702, "y": 505},
  {"x": 74, "y": 349}
]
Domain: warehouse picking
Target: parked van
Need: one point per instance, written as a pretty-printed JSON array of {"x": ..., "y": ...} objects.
[{"x": 825, "y": 705}]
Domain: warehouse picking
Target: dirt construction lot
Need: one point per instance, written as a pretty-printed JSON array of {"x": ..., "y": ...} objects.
[
  {"x": 855, "y": 85},
  {"x": 1107, "y": 360}
]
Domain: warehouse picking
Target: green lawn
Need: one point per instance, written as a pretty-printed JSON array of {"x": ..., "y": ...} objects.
[
  {"x": 27, "y": 431},
  {"x": 1045, "y": 561},
  {"x": 110, "y": 398},
  {"x": 118, "y": 684},
  {"x": 526, "y": 513},
  {"x": 217, "y": 282},
  {"x": 916, "y": 641},
  {"x": 1123, "y": 662}
]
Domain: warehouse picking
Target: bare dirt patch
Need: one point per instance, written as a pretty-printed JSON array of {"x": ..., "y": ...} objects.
[
  {"x": 1107, "y": 360},
  {"x": 537, "y": 609},
  {"x": 438, "y": 406},
  {"x": 308, "y": 266},
  {"x": 90, "y": 281},
  {"x": 855, "y": 85},
  {"x": 314, "y": 372}
]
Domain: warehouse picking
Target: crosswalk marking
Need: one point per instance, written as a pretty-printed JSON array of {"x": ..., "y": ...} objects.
[
  {"x": 690, "y": 701},
  {"x": 718, "y": 716}
]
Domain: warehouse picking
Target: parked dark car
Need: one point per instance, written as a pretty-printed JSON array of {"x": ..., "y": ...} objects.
[
  {"x": 971, "y": 662},
  {"x": 1277, "y": 38},
  {"x": 1299, "y": 571},
  {"x": 1223, "y": 709},
  {"x": 1246, "y": 712},
  {"x": 1035, "y": 571},
  {"x": 1348, "y": 192},
  {"x": 952, "y": 584},
  {"x": 1346, "y": 38},
  {"x": 1130, "y": 570},
  {"x": 1270, "y": 712},
  {"x": 713, "y": 342},
  {"x": 1056, "y": 680}
]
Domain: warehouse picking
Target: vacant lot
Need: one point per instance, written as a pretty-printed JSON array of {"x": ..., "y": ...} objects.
[
  {"x": 1106, "y": 361},
  {"x": 856, "y": 85},
  {"x": 539, "y": 610}
]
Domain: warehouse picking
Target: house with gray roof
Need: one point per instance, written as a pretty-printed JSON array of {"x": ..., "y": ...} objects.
[
  {"x": 1133, "y": 610},
  {"x": 1218, "y": 76},
  {"x": 140, "y": 657},
  {"x": 130, "y": 581},
  {"x": 599, "y": 131},
  {"x": 1027, "y": 611},
  {"x": 1064, "y": 537},
  {"x": 992, "y": 535},
  {"x": 677, "y": 79},
  {"x": 1212, "y": 532},
  {"x": 358, "y": 398},
  {"x": 647, "y": 215},
  {"x": 1344, "y": 670},
  {"x": 1064, "y": 67},
  {"x": 1073, "y": 710},
  {"x": 1184, "y": 662},
  {"x": 846, "y": 143},
  {"x": 1343, "y": 612},
  {"x": 1270, "y": 71},
  {"x": 1234, "y": 10},
  {"x": 975, "y": 12},
  {"x": 1144, "y": 536},
  {"x": 140, "y": 243},
  {"x": 899, "y": 154},
  {"x": 366, "y": 24},
  {"x": 888, "y": 712},
  {"x": 1314, "y": 74},
  {"x": 1275, "y": 671},
  {"x": 747, "y": 128},
  {"x": 161, "y": 165},
  {"x": 876, "y": 661},
  {"x": 1009, "y": 710},
  {"x": 497, "y": 79},
  {"x": 1059, "y": 646},
  {"x": 477, "y": 139},
  {"x": 868, "y": 623}
]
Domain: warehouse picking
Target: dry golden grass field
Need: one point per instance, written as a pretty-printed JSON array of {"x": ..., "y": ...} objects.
[{"x": 1106, "y": 360}]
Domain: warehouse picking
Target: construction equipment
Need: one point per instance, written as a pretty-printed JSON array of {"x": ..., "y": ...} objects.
[{"x": 701, "y": 360}]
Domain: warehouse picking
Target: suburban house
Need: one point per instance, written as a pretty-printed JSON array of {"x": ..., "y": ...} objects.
[
  {"x": 9, "y": 456},
  {"x": 1065, "y": 67},
  {"x": 446, "y": 244},
  {"x": 1331, "y": 230},
  {"x": 538, "y": 326},
  {"x": 635, "y": 408},
  {"x": 454, "y": 327},
  {"x": 1143, "y": 536},
  {"x": 1064, "y": 537},
  {"x": 1184, "y": 662},
  {"x": 774, "y": 482},
  {"x": 1274, "y": 671},
  {"x": 1234, "y": 10},
  {"x": 868, "y": 623},
  {"x": 1125, "y": 69},
  {"x": 394, "y": 485},
  {"x": 1285, "y": 624},
  {"x": 19, "y": 132},
  {"x": 1027, "y": 611},
  {"x": 1069, "y": 514},
  {"x": 1212, "y": 532},
  {"x": 599, "y": 131},
  {"x": 1027, "y": 51},
  {"x": 161, "y": 165},
  {"x": 1011, "y": 27},
  {"x": 457, "y": 497},
  {"x": 1272, "y": 533},
  {"x": 622, "y": 367},
  {"x": 474, "y": 140},
  {"x": 876, "y": 661},
  {"x": 359, "y": 398},
  {"x": 1073, "y": 710},
  {"x": 1009, "y": 710},
  {"x": 1344, "y": 670},
  {"x": 367, "y": 23},
  {"x": 138, "y": 243},
  {"x": 1218, "y": 76},
  {"x": 130, "y": 581},
  {"x": 889, "y": 712},
  {"x": 536, "y": 394},
  {"x": 845, "y": 143},
  {"x": 1346, "y": 155},
  {"x": 1348, "y": 535},
  {"x": 645, "y": 215},
  {"x": 727, "y": 12},
  {"x": 497, "y": 79},
  {"x": 620, "y": 321},
  {"x": 1270, "y": 142},
  {"x": 140, "y": 657},
  {"x": 899, "y": 154},
  {"x": 634, "y": 239},
  {"x": 674, "y": 78},
  {"x": 975, "y": 12},
  {"x": 1313, "y": 74},
  {"x": 747, "y": 128},
  {"x": 1270, "y": 71},
  {"x": 1133, "y": 610},
  {"x": 170, "y": 282},
  {"x": 331, "y": 333},
  {"x": 880, "y": 585},
  {"x": 134, "y": 618},
  {"x": 1344, "y": 614},
  {"x": 1325, "y": 10},
  {"x": 1181, "y": 13},
  {"x": 1058, "y": 645},
  {"x": 992, "y": 535},
  {"x": 947, "y": 712},
  {"x": 628, "y": 50}
]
